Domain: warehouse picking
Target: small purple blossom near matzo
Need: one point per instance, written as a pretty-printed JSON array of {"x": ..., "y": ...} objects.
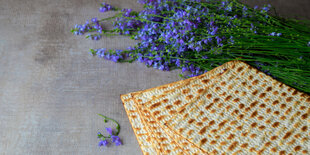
[
  {"x": 109, "y": 130},
  {"x": 103, "y": 143},
  {"x": 116, "y": 140}
]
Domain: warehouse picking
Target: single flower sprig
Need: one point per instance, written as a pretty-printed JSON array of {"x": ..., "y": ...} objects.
[{"x": 114, "y": 136}]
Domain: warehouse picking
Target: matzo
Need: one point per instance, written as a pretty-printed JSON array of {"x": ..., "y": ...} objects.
[
  {"x": 151, "y": 138},
  {"x": 167, "y": 143},
  {"x": 168, "y": 136},
  {"x": 138, "y": 127},
  {"x": 236, "y": 109}
]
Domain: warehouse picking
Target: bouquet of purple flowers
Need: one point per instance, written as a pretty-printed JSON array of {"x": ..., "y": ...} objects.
[{"x": 196, "y": 36}]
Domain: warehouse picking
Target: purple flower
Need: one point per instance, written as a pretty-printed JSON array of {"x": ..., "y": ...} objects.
[
  {"x": 181, "y": 41},
  {"x": 218, "y": 40},
  {"x": 244, "y": 8},
  {"x": 103, "y": 143},
  {"x": 191, "y": 46},
  {"x": 192, "y": 68},
  {"x": 101, "y": 52},
  {"x": 231, "y": 40},
  {"x": 192, "y": 75},
  {"x": 116, "y": 140},
  {"x": 255, "y": 7},
  {"x": 266, "y": 8},
  {"x": 140, "y": 57},
  {"x": 157, "y": 57},
  {"x": 198, "y": 19},
  {"x": 214, "y": 31},
  {"x": 118, "y": 143},
  {"x": 94, "y": 20},
  {"x": 205, "y": 41},
  {"x": 212, "y": 23},
  {"x": 105, "y": 7},
  {"x": 115, "y": 58},
  {"x": 197, "y": 70},
  {"x": 161, "y": 67},
  {"x": 149, "y": 62},
  {"x": 178, "y": 62},
  {"x": 272, "y": 34},
  {"x": 198, "y": 48}
]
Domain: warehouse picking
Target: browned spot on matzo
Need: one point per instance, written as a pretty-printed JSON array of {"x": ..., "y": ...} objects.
[
  {"x": 178, "y": 102},
  {"x": 186, "y": 91},
  {"x": 255, "y": 82},
  {"x": 241, "y": 106},
  {"x": 254, "y": 92},
  {"x": 155, "y": 105},
  {"x": 205, "y": 81},
  {"x": 168, "y": 107},
  {"x": 244, "y": 146},
  {"x": 288, "y": 110},
  {"x": 228, "y": 98},
  {"x": 216, "y": 100},
  {"x": 241, "y": 116},
  {"x": 239, "y": 69},
  {"x": 253, "y": 125},
  {"x": 209, "y": 96},
  {"x": 213, "y": 142},
  {"x": 260, "y": 118},
  {"x": 203, "y": 141},
  {"x": 250, "y": 77},
  {"x": 273, "y": 138},
  {"x": 295, "y": 92},
  {"x": 203, "y": 130},
  {"x": 231, "y": 136},
  {"x": 189, "y": 97},
  {"x": 269, "y": 89},
  {"x": 253, "y": 104},
  {"x": 262, "y": 95},
  {"x": 304, "y": 116},
  {"x": 253, "y": 135},
  {"x": 161, "y": 117},
  {"x": 289, "y": 99},
  {"x": 236, "y": 100},
  {"x": 254, "y": 114},
  {"x": 297, "y": 148},
  {"x": 288, "y": 134},
  {"x": 199, "y": 91},
  {"x": 233, "y": 146},
  {"x": 262, "y": 105},
  {"x": 191, "y": 121},
  {"x": 172, "y": 112},
  {"x": 156, "y": 113}
]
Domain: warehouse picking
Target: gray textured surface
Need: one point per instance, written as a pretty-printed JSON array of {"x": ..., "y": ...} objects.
[{"x": 51, "y": 89}]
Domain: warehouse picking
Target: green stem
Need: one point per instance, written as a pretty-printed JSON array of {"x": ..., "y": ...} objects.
[{"x": 118, "y": 128}]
